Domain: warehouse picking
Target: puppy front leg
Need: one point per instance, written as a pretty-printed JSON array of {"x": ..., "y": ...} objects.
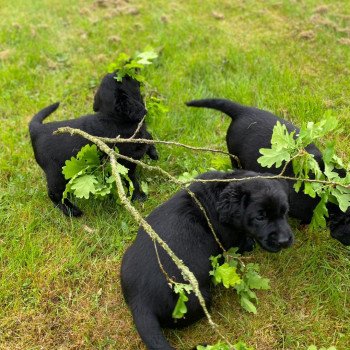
[
  {"x": 138, "y": 194},
  {"x": 56, "y": 186},
  {"x": 151, "y": 151},
  {"x": 246, "y": 245}
]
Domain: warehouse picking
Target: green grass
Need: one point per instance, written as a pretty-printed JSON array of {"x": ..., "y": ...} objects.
[{"x": 59, "y": 277}]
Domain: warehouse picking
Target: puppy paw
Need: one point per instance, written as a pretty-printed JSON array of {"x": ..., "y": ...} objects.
[
  {"x": 75, "y": 211},
  {"x": 70, "y": 210},
  {"x": 153, "y": 154},
  {"x": 247, "y": 246},
  {"x": 139, "y": 196}
]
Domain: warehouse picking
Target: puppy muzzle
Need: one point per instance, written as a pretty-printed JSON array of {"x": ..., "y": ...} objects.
[
  {"x": 276, "y": 241},
  {"x": 136, "y": 111}
]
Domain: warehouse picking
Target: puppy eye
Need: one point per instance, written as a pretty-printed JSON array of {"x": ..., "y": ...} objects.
[{"x": 260, "y": 217}]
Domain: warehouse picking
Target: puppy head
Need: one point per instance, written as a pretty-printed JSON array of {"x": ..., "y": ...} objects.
[
  {"x": 339, "y": 224},
  {"x": 258, "y": 207},
  {"x": 121, "y": 100}
]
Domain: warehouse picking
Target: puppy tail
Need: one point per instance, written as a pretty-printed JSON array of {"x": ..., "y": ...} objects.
[
  {"x": 232, "y": 109},
  {"x": 148, "y": 326},
  {"x": 44, "y": 113}
]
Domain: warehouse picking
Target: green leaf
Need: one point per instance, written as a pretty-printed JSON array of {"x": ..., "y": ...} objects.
[
  {"x": 88, "y": 156},
  {"x": 103, "y": 190},
  {"x": 308, "y": 189},
  {"x": 320, "y": 212},
  {"x": 227, "y": 275},
  {"x": 330, "y": 174},
  {"x": 281, "y": 138},
  {"x": 343, "y": 197},
  {"x": 306, "y": 164},
  {"x": 282, "y": 146},
  {"x": 144, "y": 187},
  {"x": 68, "y": 188},
  {"x": 329, "y": 152},
  {"x": 313, "y": 131},
  {"x": 72, "y": 167},
  {"x": 179, "y": 287},
  {"x": 254, "y": 280},
  {"x": 231, "y": 256},
  {"x": 83, "y": 185},
  {"x": 248, "y": 305},
  {"x": 297, "y": 186},
  {"x": 121, "y": 169},
  {"x": 146, "y": 57},
  {"x": 180, "y": 308},
  {"x": 272, "y": 157}
]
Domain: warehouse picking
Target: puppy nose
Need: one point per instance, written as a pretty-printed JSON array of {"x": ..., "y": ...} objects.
[{"x": 284, "y": 241}]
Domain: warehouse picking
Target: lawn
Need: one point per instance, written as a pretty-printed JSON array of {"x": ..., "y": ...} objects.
[{"x": 59, "y": 277}]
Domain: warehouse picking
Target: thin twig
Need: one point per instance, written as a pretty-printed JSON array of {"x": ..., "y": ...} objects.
[
  {"x": 169, "y": 279},
  {"x": 270, "y": 177},
  {"x": 138, "y": 128},
  {"x": 168, "y": 143},
  {"x": 108, "y": 140},
  {"x": 287, "y": 163}
]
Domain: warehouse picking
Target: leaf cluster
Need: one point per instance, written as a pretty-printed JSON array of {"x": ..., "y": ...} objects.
[
  {"x": 89, "y": 174},
  {"x": 242, "y": 277},
  {"x": 291, "y": 147},
  {"x": 126, "y": 65},
  {"x": 314, "y": 347}
]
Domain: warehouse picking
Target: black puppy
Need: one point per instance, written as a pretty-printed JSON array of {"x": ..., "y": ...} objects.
[
  {"x": 250, "y": 130},
  {"x": 119, "y": 109},
  {"x": 255, "y": 209}
]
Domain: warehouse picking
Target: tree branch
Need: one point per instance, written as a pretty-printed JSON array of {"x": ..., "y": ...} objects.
[{"x": 185, "y": 271}]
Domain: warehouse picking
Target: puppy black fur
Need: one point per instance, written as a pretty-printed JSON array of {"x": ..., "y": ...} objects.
[
  {"x": 251, "y": 129},
  {"x": 119, "y": 109},
  {"x": 252, "y": 209}
]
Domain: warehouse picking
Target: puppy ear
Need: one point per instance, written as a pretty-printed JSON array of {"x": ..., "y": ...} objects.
[
  {"x": 105, "y": 99},
  {"x": 231, "y": 203},
  {"x": 97, "y": 101},
  {"x": 285, "y": 186}
]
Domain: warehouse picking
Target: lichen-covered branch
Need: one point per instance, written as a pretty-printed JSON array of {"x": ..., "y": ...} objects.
[
  {"x": 169, "y": 143},
  {"x": 121, "y": 140},
  {"x": 185, "y": 271}
]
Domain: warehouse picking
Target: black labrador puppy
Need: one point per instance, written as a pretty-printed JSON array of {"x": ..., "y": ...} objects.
[
  {"x": 119, "y": 109},
  {"x": 251, "y": 129},
  {"x": 250, "y": 209}
]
